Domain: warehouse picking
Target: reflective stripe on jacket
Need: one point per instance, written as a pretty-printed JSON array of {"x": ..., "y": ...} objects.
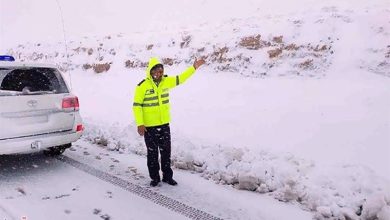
[{"x": 151, "y": 102}]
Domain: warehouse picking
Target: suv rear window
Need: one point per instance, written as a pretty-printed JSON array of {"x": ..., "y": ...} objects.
[{"x": 31, "y": 81}]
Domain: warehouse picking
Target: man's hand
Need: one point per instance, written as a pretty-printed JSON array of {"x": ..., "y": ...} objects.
[
  {"x": 141, "y": 130},
  {"x": 198, "y": 63}
]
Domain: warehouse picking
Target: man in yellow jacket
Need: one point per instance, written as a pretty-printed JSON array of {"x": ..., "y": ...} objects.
[{"x": 151, "y": 112}]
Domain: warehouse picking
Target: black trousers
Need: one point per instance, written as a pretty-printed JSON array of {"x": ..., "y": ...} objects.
[{"x": 157, "y": 139}]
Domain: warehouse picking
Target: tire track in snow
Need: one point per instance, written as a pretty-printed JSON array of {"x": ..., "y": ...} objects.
[
  {"x": 155, "y": 197},
  {"x": 9, "y": 215}
]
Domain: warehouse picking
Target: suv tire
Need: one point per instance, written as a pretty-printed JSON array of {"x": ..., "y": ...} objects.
[{"x": 57, "y": 150}]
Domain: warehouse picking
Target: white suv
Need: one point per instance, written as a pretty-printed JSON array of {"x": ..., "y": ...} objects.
[{"x": 37, "y": 110}]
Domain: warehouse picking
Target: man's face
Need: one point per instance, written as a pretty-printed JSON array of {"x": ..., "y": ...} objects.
[{"x": 157, "y": 74}]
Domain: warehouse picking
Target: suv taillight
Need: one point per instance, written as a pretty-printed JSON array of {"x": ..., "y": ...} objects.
[
  {"x": 79, "y": 128},
  {"x": 70, "y": 103}
]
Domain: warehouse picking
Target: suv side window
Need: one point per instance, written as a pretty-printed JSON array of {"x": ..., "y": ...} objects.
[{"x": 27, "y": 81}]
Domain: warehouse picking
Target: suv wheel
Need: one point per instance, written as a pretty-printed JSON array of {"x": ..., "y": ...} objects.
[{"x": 58, "y": 150}]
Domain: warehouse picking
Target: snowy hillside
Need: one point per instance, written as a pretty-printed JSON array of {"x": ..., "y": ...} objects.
[
  {"x": 284, "y": 45},
  {"x": 293, "y": 103}
]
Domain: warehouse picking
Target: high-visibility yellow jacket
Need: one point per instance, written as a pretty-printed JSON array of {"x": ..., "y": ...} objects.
[{"x": 151, "y": 102}]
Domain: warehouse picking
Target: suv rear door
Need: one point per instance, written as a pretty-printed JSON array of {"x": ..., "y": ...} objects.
[{"x": 31, "y": 102}]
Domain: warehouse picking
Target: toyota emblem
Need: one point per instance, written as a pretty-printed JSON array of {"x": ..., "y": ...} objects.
[{"x": 32, "y": 103}]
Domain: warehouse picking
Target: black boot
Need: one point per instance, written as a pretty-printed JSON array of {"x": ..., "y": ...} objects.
[
  {"x": 154, "y": 183},
  {"x": 171, "y": 181}
]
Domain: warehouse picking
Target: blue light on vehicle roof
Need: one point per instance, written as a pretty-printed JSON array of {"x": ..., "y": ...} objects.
[{"x": 6, "y": 58}]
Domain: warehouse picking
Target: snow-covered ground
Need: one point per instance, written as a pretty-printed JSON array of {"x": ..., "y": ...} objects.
[
  {"x": 39, "y": 187},
  {"x": 294, "y": 101},
  {"x": 45, "y": 187}
]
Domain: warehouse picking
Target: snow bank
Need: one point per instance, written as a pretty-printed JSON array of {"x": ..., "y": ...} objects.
[{"x": 346, "y": 192}]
